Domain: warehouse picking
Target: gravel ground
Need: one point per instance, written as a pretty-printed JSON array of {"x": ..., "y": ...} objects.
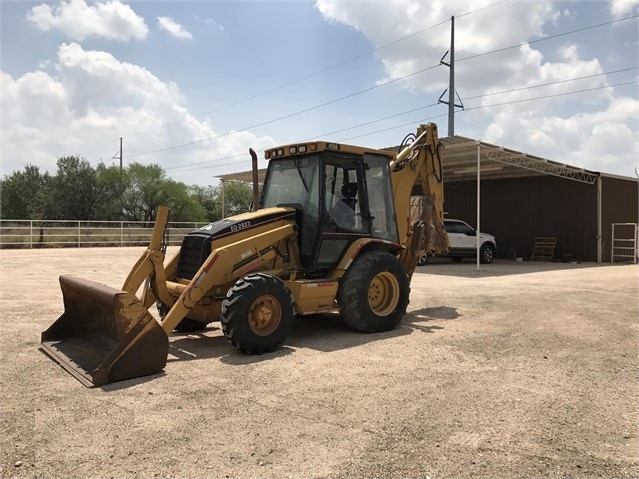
[{"x": 518, "y": 370}]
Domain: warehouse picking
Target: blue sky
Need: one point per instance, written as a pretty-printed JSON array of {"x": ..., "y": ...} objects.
[{"x": 192, "y": 85}]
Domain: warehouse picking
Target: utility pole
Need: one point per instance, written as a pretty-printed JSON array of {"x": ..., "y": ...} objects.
[
  {"x": 451, "y": 82},
  {"x": 118, "y": 156}
]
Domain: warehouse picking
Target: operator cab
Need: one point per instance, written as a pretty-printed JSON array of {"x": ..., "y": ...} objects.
[{"x": 340, "y": 192}]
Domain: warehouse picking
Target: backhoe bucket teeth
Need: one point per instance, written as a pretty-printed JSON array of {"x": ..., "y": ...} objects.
[{"x": 104, "y": 335}]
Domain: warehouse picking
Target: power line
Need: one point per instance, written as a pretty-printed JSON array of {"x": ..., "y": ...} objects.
[
  {"x": 318, "y": 72},
  {"x": 326, "y": 134},
  {"x": 273, "y": 120},
  {"x": 321, "y": 135},
  {"x": 490, "y": 106},
  {"x": 557, "y": 82},
  {"x": 178, "y": 170},
  {"x": 404, "y": 125},
  {"x": 209, "y": 161},
  {"x": 370, "y": 122},
  {"x": 511, "y": 102},
  {"x": 379, "y": 85},
  {"x": 551, "y": 37}
]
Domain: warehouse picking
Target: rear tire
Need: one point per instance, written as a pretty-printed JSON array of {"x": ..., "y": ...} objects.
[
  {"x": 373, "y": 293},
  {"x": 257, "y": 313}
]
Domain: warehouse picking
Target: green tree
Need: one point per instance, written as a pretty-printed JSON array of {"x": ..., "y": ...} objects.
[
  {"x": 235, "y": 197},
  {"x": 184, "y": 207},
  {"x": 110, "y": 184},
  {"x": 72, "y": 194},
  {"x": 207, "y": 197},
  {"x": 23, "y": 194},
  {"x": 142, "y": 194},
  {"x": 231, "y": 196},
  {"x": 147, "y": 187},
  {"x": 80, "y": 192}
]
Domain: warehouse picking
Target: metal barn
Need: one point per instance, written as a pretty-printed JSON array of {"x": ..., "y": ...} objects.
[{"x": 524, "y": 197}]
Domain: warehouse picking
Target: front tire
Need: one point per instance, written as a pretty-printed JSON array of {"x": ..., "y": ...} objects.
[
  {"x": 486, "y": 253},
  {"x": 373, "y": 293},
  {"x": 257, "y": 313}
]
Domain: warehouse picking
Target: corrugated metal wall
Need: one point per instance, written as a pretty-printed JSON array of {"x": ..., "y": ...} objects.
[
  {"x": 620, "y": 204},
  {"x": 519, "y": 209}
]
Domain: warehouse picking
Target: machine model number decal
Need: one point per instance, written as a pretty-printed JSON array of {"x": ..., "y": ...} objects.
[{"x": 240, "y": 226}]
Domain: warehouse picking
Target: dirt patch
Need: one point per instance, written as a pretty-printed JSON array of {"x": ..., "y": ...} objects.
[{"x": 517, "y": 370}]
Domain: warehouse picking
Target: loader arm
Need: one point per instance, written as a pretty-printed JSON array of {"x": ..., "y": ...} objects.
[
  {"x": 151, "y": 264},
  {"x": 421, "y": 159},
  {"x": 224, "y": 265}
]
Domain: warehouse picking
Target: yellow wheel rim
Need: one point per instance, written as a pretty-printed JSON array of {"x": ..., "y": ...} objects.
[
  {"x": 383, "y": 293},
  {"x": 265, "y": 315}
]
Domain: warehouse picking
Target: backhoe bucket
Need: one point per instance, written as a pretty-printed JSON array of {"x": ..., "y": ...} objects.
[{"x": 105, "y": 334}]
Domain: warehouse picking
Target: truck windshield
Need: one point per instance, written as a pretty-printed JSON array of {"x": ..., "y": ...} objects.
[
  {"x": 292, "y": 182},
  {"x": 295, "y": 183}
]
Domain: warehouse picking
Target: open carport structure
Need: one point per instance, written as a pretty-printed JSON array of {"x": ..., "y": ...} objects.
[{"x": 523, "y": 197}]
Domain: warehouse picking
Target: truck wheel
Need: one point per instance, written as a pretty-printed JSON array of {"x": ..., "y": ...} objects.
[
  {"x": 486, "y": 253},
  {"x": 187, "y": 325},
  {"x": 257, "y": 313},
  {"x": 373, "y": 293}
]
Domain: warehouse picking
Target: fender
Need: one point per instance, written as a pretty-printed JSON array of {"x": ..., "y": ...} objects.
[{"x": 365, "y": 244}]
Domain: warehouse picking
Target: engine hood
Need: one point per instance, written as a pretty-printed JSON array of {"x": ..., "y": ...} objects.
[{"x": 233, "y": 224}]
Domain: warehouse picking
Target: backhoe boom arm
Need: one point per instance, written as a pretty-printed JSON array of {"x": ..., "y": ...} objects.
[{"x": 421, "y": 159}]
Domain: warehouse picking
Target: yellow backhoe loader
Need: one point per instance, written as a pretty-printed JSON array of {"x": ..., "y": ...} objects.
[{"x": 331, "y": 232}]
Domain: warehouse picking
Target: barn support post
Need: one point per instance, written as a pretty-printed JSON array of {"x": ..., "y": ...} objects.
[
  {"x": 478, "y": 198},
  {"x": 599, "y": 225}
]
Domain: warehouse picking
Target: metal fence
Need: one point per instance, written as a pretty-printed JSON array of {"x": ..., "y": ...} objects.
[
  {"x": 80, "y": 234},
  {"x": 625, "y": 242}
]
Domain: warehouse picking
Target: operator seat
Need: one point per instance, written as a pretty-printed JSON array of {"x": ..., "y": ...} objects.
[
  {"x": 349, "y": 192},
  {"x": 343, "y": 212}
]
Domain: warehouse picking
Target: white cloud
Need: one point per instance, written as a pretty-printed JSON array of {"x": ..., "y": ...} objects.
[
  {"x": 91, "y": 101},
  {"x": 600, "y": 141},
  {"x": 210, "y": 21},
  {"x": 174, "y": 28},
  {"x": 593, "y": 129},
  {"x": 44, "y": 64},
  {"x": 621, "y": 8},
  {"x": 384, "y": 22},
  {"x": 111, "y": 20}
]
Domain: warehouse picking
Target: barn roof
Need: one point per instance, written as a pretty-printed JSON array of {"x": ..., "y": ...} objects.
[{"x": 459, "y": 159}]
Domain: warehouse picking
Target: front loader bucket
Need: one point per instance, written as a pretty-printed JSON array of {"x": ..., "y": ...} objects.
[{"x": 105, "y": 334}]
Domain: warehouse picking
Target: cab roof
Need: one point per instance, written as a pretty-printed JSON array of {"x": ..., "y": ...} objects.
[{"x": 296, "y": 149}]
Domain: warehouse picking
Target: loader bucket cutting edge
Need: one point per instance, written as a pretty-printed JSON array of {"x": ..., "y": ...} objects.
[{"x": 104, "y": 335}]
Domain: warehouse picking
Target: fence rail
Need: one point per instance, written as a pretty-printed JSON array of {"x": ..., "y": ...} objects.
[{"x": 60, "y": 233}]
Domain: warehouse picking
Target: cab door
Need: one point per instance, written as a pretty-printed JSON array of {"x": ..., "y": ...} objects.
[{"x": 344, "y": 216}]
